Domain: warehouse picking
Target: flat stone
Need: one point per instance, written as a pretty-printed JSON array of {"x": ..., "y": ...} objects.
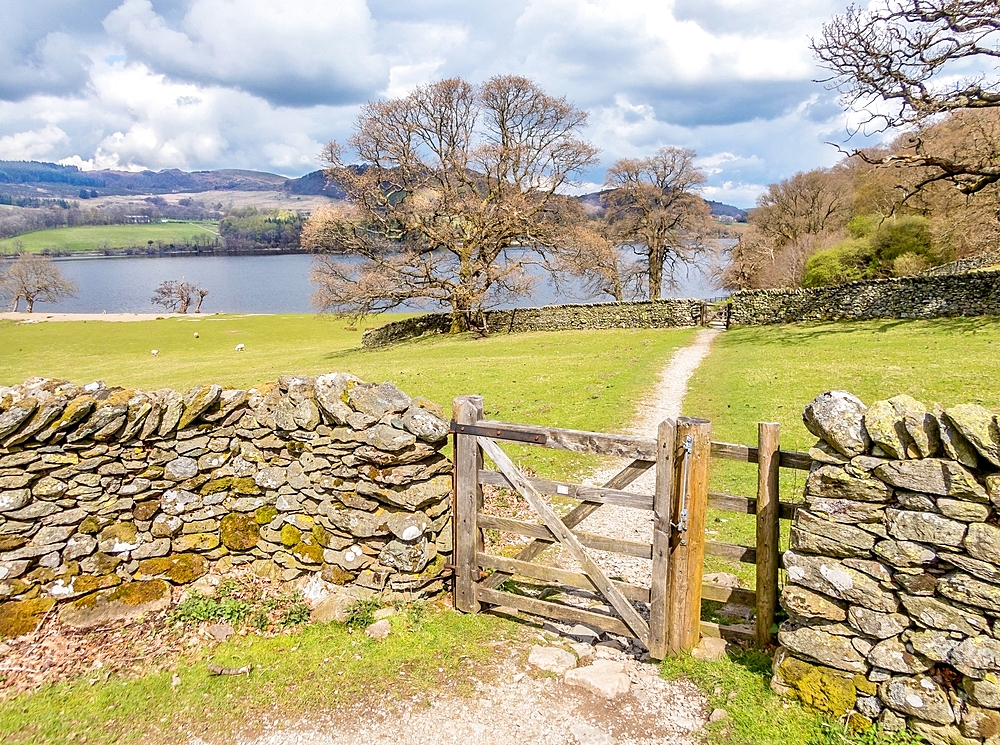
[
  {"x": 424, "y": 425},
  {"x": 978, "y": 425},
  {"x": 945, "y": 478},
  {"x": 49, "y": 488},
  {"x": 938, "y": 734},
  {"x": 978, "y": 723},
  {"x": 980, "y": 569},
  {"x": 983, "y": 542},
  {"x": 925, "y": 527},
  {"x": 14, "y": 499},
  {"x": 936, "y": 614},
  {"x": 955, "y": 446},
  {"x": 837, "y": 417},
  {"x": 845, "y": 510},
  {"x": 195, "y": 542},
  {"x": 408, "y": 526},
  {"x": 878, "y": 625},
  {"x": 826, "y": 649},
  {"x": 330, "y": 390},
  {"x": 920, "y": 425},
  {"x": 220, "y": 631},
  {"x": 828, "y": 537},
  {"x": 822, "y": 688},
  {"x": 890, "y": 654},
  {"x": 126, "y": 602},
  {"x": 959, "y": 509},
  {"x": 271, "y": 477},
  {"x": 387, "y": 438},
  {"x": 166, "y": 526},
  {"x": 376, "y": 400},
  {"x": 605, "y": 678},
  {"x": 985, "y": 692},
  {"x": 835, "y": 482},
  {"x": 904, "y": 553},
  {"x": 411, "y": 498},
  {"x": 179, "y": 502},
  {"x": 934, "y": 645},
  {"x": 917, "y": 697},
  {"x": 79, "y": 546},
  {"x": 976, "y": 656},
  {"x": 181, "y": 469},
  {"x": 832, "y": 578},
  {"x": 710, "y": 649},
  {"x": 552, "y": 659},
  {"x": 197, "y": 402},
  {"x": 965, "y": 589},
  {"x": 379, "y": 630},
  {"x": 805, "y": 603},
  {"x": 155, "y": 548}
]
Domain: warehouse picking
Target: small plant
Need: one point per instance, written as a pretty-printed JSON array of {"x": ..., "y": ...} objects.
[
  {"x": 361, "y": 613},
  {"x": 294, "y": 615},
  {"x": 197, "y": 608}
]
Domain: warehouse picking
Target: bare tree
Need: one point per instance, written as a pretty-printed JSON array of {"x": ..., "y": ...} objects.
[
  {"x": 176, "y": 297},
  {"x": 903, "y": 63},
  {"x": 605, "y": 266},
  {"x": 34, "y": 278},
  {"x": 455, "y": 196},
  {"x": 654, "y": 206}
]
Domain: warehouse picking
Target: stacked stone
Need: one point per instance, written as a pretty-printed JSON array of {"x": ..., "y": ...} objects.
[
  {"x": 893, "y": 570},
  {"x": 102, "y": 486}
]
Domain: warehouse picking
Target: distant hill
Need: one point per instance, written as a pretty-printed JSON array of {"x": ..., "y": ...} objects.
[
  {"x": 312, "y": 184},
  {"x": 592, "y": 203}
]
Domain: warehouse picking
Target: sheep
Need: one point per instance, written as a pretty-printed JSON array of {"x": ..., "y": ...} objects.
[
  {"x": 155, "y": 352},
  {"x": 195, "y": 334},
  {"x": 239, "y": 347}
]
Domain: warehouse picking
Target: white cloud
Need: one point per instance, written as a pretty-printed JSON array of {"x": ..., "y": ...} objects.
[{"x": 33, "y": 144}]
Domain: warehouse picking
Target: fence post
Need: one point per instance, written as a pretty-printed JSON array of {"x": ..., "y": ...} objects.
[
  {"x": 468, "y": 501},
  {"x": 658, "y": 616},
  {"x": 768, "y": 457},
  {"x": 687, "y": 543}
]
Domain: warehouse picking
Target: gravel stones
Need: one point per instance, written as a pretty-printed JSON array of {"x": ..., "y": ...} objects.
[
  {"x": 552, "y": 659},
  {"x": 604, "y": 678}
]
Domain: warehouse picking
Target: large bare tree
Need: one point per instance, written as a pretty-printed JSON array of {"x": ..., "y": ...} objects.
[
  {"x": 905, "y": 63},
  {"x": 456, "y": 193},
  {"x": 177, "y": 297},
  {"x": 34, "y": 278},
  {"x": 653, "y": 205}
]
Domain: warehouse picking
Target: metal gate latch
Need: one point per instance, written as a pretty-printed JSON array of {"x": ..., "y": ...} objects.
[{"x": 682, "y": 523}]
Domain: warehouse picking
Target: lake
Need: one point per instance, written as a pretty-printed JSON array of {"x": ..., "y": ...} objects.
[{"x": 250, "y": 284}]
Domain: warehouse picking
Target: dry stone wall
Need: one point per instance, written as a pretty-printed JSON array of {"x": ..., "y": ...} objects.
[
  {"x": 108, "y": 496},
  {"x": 893, "y": 569}
]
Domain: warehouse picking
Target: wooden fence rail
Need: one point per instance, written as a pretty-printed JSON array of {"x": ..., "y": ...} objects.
[{"x": 680, "y": 457}]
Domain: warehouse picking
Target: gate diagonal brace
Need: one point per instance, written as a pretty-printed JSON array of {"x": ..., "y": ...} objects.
[{"x": 517, "y": 435}]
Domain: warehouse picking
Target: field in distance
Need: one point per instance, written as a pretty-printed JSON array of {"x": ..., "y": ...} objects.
[{"x": 101, "y": 237}]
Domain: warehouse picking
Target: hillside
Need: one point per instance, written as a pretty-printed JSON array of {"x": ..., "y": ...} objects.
[{"x": 592, "y": 204}]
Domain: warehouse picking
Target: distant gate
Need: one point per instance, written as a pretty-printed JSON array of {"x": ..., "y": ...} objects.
[{"x": 680, "y": 455}]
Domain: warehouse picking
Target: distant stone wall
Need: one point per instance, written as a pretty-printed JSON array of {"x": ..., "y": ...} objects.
[
  {"x": 893, "y": 570},
  {"x": 964, "y": 265},
  {"x": 112, "y": 496},
  {"x": 669, "y": 313},
  {"x": 973, "y": 294}
]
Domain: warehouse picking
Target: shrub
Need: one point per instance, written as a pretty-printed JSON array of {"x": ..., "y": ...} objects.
[
  {"x": 847, "y": 261},
  {"x": 904, "y": 235}
]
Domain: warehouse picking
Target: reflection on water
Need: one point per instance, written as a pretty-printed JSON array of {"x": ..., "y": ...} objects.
[{"x": 255, "y": 284}]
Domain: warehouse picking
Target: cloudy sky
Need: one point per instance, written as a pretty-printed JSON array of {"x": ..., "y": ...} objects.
[{"x": 200, "y": 84}]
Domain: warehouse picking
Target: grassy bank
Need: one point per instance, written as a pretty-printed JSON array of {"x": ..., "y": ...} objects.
[{"x": 100, "y": 237}]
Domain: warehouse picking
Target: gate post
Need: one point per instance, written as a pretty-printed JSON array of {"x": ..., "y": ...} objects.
[
  {"x": 689, "y": 504},
  {"x": 658, "y": 613},
  {"x": 768, "y": 457},
  {"x": 468, "y": 500}
]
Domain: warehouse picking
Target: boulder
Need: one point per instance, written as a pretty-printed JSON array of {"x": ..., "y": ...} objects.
[
  {"x": 890, "y": 654},
  {"x": 837, "y": 417},
  {"x": 925, "y": 527},
  {"x": 878, "y": 625},
  {"x": 826, "y": 649},
  {"x": 833, "y": 578},
  {"x": 918, "y": 697},
  {"x": 604, "y": 678},
  {"x": 962, "y": 588},
  {"x": 835, "y": 482},
  {"x": 983, "y": 542},
  {"x": 805, "y": 603},
  {"x": 552, "y": 659},
  {"x": 886, "y": 429},
  {"x": 124, "y": 603}
]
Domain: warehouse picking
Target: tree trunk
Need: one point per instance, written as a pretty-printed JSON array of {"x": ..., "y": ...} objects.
[
  {"x": 29, "y": 300},
  {"x": 655, "y": 271},
  {"x": 185, "y": 302},
  {"x": 13, "y": 305},
  {"x": 201, "y": 299}
]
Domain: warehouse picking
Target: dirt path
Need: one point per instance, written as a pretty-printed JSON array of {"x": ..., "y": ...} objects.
[{"x": 523, "y": 705}]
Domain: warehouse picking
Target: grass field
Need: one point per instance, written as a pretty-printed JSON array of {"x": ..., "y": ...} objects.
[
  {"x": 100, "y": 237},
  {"x": 576, "y": 379}
]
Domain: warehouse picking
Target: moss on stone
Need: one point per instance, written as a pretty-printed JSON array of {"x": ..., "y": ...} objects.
[
  {"x": 865, "y": 686},
  {"x": 23, "y": 616},
  {"x": 245, "y": 486},
  {"x": 124, "y": 532},
  {"x": 296, "y": 448},
  {"x": 10, "y": 542},
  {"x": 308, "y": 550},
  {"x": 321, "y": 535},
  {"x": 290, "y": 535},
  {"x": 179, "y": 568},
  {"x": 337, "y": 575},
  {"x": 89, "y": 526},
  {"x": 216, "y": 485},
  {"x": 87, "y": 583},
  {"x": 239, "y": 532},
  {"x": 264, "y": 515},
  {"x": 433, "y": 568},
  {"x": 140, "y": 593},
  {"x": 820, "y": 688}
]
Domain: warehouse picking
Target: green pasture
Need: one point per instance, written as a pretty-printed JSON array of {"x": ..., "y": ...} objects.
[{"x": 101, "y": 237}]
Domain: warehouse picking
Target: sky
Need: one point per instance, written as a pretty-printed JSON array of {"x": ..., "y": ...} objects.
[{"x": 204, "y": 84}]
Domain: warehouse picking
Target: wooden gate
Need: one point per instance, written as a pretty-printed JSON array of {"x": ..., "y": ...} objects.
[
  {"x": 715, "y": 315},
  {"x": 680, "y": 456}
]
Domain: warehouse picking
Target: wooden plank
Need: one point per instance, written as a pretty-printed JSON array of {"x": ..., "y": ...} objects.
[
  {"x": 566, "y": 538},
  {"x": 732, "y": 633},
  {"x": 659, "y": 619},
  {"x": 576, "y": 516},
  {"x": 579, "y": 441},
  {"x": 687, "y": 547},
  {"x": 768, "y": 448},
  {"x": 553, "y": 610},
  {"x": 542, "y": 534},
  {"x": 575, "y": 491},
  {"x": 734, "y": 595},
  {"x": 559, "y": 576},
  {"x": 468, "y": 498},
  {"x": 747, "y": 506},
  {"x": 731, "y": 551},
  {"x": 745, "y": 454}
]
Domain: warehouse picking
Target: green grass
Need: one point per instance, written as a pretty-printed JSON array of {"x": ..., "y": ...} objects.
[
  {"x": 311, "y": 672},
  {"x": 770, "y": 373},
  {"x": 575, "y": 379},
  {"x": 100, "y": 237}
]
